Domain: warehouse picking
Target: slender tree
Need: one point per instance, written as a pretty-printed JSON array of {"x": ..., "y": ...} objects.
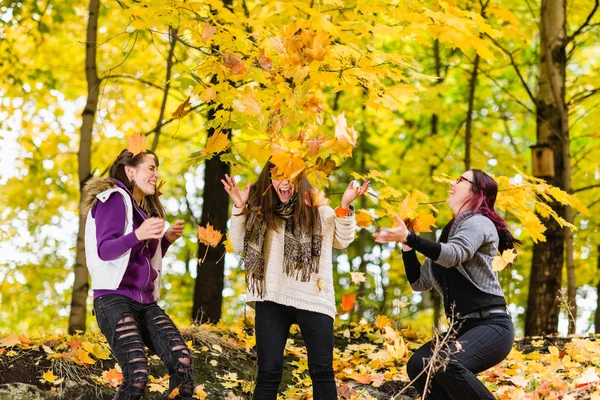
[{"x": 81, "y": 286}]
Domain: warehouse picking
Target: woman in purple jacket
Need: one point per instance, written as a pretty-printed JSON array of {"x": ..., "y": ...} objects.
[{"x": 125, "y": 242}]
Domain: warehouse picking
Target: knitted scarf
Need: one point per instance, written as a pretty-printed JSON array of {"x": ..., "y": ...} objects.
[{"x": 301, "y": 249}]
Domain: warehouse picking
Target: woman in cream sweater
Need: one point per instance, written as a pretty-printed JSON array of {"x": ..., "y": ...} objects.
[{"x": 286, "y": 243}]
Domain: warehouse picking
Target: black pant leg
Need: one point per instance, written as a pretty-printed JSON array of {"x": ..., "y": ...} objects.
[
  {"x": 272, "y": 326},
  {"x": 317, "y": 332}
]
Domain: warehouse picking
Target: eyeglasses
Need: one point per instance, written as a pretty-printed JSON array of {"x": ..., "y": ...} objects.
[{"x": 462, "y": 178}]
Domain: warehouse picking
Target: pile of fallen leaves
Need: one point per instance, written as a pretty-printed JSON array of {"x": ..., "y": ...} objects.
[{"x": 369, "y": 363}]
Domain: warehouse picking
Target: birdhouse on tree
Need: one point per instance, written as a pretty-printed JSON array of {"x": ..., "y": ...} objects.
[{"x": 542, "y": 160}]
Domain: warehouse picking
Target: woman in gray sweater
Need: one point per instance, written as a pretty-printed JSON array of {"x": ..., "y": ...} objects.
[{"x": 459, "y": 266}]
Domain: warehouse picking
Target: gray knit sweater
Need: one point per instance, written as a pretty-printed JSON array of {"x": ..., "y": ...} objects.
[{"x": 471, "y": 247}]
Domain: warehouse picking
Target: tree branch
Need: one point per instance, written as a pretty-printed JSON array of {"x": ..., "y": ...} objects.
[
  {"x": 133, "y": 78},
  {"x": 514, "y": 64},
  {"x": 581, "y": 189},
  {"x": 587, "y": 21}
]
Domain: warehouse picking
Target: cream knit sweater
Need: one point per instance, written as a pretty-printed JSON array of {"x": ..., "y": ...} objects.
[{"x": 283, "y": 289}]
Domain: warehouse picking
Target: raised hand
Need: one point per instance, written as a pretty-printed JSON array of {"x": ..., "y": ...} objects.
[
  {"x": 175, "y": 231},
  {"x": 396, "y": 234},
  {"x": 152, "y": 228},
  {"x": 352, "y": 193},
  {"x": 239, "y": 197}
]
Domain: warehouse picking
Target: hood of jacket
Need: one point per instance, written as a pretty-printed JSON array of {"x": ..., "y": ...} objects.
[{"x": 92, "y": 188}]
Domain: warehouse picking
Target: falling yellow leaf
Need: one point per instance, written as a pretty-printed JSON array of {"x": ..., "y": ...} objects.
[
  {"x": 364, "y": 219},
  {"x": 228, "y": 247},
  {"x": 137, "y": 144},
  {"x": 319, "y": 198},
  {"x": 287, "y": 166},
  {"x": 209, "y": 236},
  {"x": 319, "y": 284},
  {"x": 358, "y": 277},
  {"x": 217, "y": 143},
  {"x": 501, "y": 262},
  {"x": 345, "y": 137},
  {"x": 182, "y": 110}
]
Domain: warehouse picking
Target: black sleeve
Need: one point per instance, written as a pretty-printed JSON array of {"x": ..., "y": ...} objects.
[
  {"x": 427, "y": 247},
  {"x": 411, "y": 265}
]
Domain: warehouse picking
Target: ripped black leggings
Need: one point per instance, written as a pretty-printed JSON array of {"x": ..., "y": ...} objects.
[{"x": 128, "y": 326}]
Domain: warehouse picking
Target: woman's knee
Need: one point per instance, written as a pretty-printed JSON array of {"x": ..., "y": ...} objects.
[{"x": 415, "y": 366}]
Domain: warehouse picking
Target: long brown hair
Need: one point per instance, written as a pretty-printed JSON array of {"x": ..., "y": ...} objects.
[
  {"x": 263, "y": 198},
  {"x": 150, "y": 203}
]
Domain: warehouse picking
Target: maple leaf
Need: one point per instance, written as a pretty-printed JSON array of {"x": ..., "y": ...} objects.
[
  {"x": 319, "y": 198},
  {"x": 113, "y": 377},
  {"x": 209, "y": 236},
  {"x": 208, "y": 95},
  {"x": 227, "y": 243},
  {"x": 422, "y": 222},
  {"x": 199, "y": 393},
  {"x": 137, "y": 144},
  {"x": 49, "y": 377},
  {"x": 364, "y": 219},
  {"x": 358, "y": 277},
  {"x": 156, "y": 387},
  {"x": 348, "y": 303},
  {"x": 341, "y": 212},
  {"x": 247, "y": 105},
  {"x": 208, "y": 31},
  {"x": 182, "y": 110},
  {"x": 287, "y": 166},
  {"x": 217, "y": 143},
  {"x": 264, "y": 62},
  {"x": 10, "y": 341},
  {"x": 345, "y": 137},
  {"x": 502, "y": 261},
  {"x": 234, "y": 63}
]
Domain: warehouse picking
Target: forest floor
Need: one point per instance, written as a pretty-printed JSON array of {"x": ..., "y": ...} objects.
[{"x": 369, "y": 362}]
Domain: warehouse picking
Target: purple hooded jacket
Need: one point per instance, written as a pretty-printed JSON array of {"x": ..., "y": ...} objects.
[{"x": 137, "y": 283}]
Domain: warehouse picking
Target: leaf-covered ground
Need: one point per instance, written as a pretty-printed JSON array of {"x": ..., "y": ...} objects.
[{"x": 369, "y": 363}]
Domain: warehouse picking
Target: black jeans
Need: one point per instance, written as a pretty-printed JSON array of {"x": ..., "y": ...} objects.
[
  {"x": 483, "y": 343},
  {"x": 128, "y": 325},
  {"x": 272, "y": 326}
]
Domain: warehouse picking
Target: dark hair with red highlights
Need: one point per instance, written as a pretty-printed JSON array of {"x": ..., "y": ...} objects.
[
  {"x": 484, "y": 191},
  {"x": 263, "y": 198}
]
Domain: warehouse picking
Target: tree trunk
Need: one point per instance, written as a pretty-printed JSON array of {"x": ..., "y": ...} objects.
[
  {"x": 469, "y": 123},
  {"x": 161, "y": 116},
  {"x": 81, "y": 286},
  {"x": 362, "y": 239},
  {"x": 545, "y": 282},
  {"x": 208, "y": 290},
  {"x": 571, "y": 277}
]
